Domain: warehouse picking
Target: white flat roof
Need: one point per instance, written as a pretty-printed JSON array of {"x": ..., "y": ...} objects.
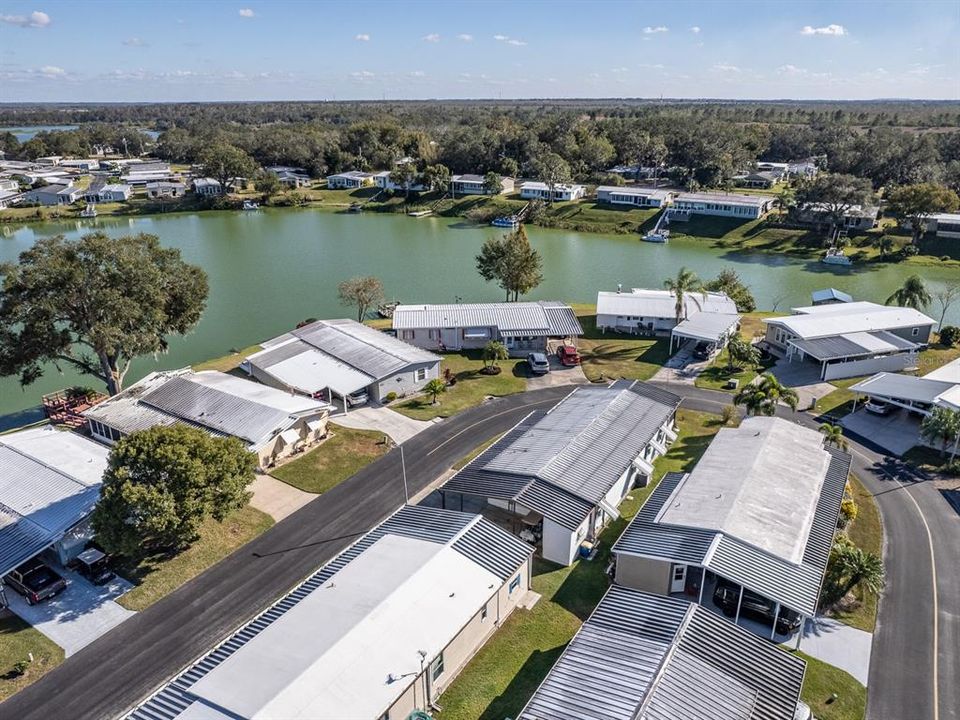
[
  {"x": 945, "y": 217},
  {"x": 948, "y": 373},
  {"x": 257, "y": 392},
  {"x": 311, "y": 371},
  {"x": 818, "y": 321},
  {"x": 727, "y": 198},
  {"x": 330, "y": 656},
  {"x": 633, "y": 190},
  {"x": 707, "y": 326},
  {"x": 759, "y": 482},
  {"x": 537, "y": 185},
  {"x": 661, "y": 303},
  {"x": 71, "y": 454}
]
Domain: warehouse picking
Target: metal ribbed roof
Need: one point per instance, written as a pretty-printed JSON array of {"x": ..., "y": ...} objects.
[
  {"x": 563, "y": 462},
  {"x": 481, "y": 542},
  {"x": 539, "y": 318},
  {"x": 856, "y": 344},
  {"x": 641, "y": 302},
  {"x": 795, "y": 585},
  {"x": 659, "y": 658},
  {"x": 903, "y": 387}
]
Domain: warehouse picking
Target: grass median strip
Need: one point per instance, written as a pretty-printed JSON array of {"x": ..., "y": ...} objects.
[
  {"x": 157, "y": 576},
  {"x": 504, "y": 674},
  {"x": 18, "y": 641},
  {"x": 338, "y": 457},
  {"x": 866, "y": 532}
]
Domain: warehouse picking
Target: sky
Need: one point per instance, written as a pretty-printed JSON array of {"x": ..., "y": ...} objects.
[{"x": 148, "y": 50}]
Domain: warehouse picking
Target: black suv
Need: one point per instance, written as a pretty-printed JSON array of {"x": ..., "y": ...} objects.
[
  {"x": 755, "y": 606},
  {"x": 704, "y": 350},
  {"x": 35, "y": 581}
]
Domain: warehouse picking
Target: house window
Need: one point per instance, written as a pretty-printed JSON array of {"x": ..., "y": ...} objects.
[
  {"x": 421, "y": 374},
  {"x": 514, "y": 584},
  {"x": 483, "y": 614},
  {"x": 432, "y": 334},
  {"x": 915, "y": 331},
  {"x": 436, "y": 667},
  {"x": 406, "y": 334}
]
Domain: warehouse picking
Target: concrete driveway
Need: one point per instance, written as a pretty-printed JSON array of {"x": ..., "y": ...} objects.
[
  {"x": 558, "y": 375},
  {"x": 839, "y": 645},
  {"x": 681, "y": 367},
  {"x": 77, "y": 616},
  {"x": 382, "y": 419},
  {"x": 276, "y": 498},
  {"x": 895, "y": 433},
  {"x": 804, "y": 377}
]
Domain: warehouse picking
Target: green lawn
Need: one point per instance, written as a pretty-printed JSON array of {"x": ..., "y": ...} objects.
[
  {"x": 822, "y": 681},
  {"x": 936, "y": 356},
  {"x": 839, "y": 402},
  {"x": 17, "y": 641},
  {"x": 227, "y": 362},
  {"x": 866, "y": 532},
  {"x": 157, "y": 576},
  {"x": 929, "y": 459},
  {"x": 471, "y": 389},
  {"x": 588, "y": 216},
  {"x": 506, "y": 671},
  {"x": 338, "y": 457},
  {"x": 611, "y": 356}
]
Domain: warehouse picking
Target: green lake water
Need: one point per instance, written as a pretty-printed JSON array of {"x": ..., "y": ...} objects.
[{"x": 269, "y": 270}]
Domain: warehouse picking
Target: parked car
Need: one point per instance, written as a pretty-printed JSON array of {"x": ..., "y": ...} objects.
[
  {"x": 878, "y": 407},
  {"x": 727, "y": 594},
  {"x": 94, "y": 564},
  {"x": 704, "y": 350},
  {"x": 36, "y": 581},
  {"x": 568, "y": 355},
  {"x": 539, "y": 365},
  {"x": 360, "y": 397}
]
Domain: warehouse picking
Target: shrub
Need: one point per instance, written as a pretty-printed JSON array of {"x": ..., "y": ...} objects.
[
  {"x": 20, "y": 668},
  {"x": 728, "y": 414},
  {"x": 949, "y": 335},
  {"x": 848, "y": 512},
  {"x": 909, "y": 250},
  {"x": 390, "y": 397}
]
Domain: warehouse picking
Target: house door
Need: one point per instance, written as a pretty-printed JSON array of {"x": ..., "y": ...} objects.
[
  {"x": 450, "y": 338},
  {"x": 678, "y": 578}
]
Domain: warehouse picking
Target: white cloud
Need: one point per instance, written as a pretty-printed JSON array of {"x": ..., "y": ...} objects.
[
  {"x": 466, "y": 37},
  {"x": 725, "y": 68},
  {"x": 362, "y": 75},
  {"x": 246, "y": 12},
  {"x": 134, "y": 42},
  {"x": 418, "y": 74},
  {"x": 695, "y": 29},
  {"x": 648, "y": 30},
  {"x": 832, "y": 29},
  {"x": 791, "y": 70},
  {"x": 52, "y": 71},
  {"x": 654, "y": 66},
  {"x": 362, "y": 37},
  {"x": 501, "y": 38},
  {"x": 509, "y": 40},
  {"x": 36, "y": 19},
  {"x": 618, "y": 70},
  {"x": 432, "y": 37}
]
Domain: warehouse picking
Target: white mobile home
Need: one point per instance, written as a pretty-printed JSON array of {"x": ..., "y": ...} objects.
[
  {"x": 634, "y": 196},
  {"x": 561, "y": 192},
  {"x": 475, "y": 185},
  {"x": 207, "y": 187},
  {"x": 745, "y": 207},
  {"x": 944, "y": 225},
  {"x": 653, "y": 312},
  {"x": 561, "y": 474},
  {"x": 350, "y": 180},
  {"x": 342, "y": 358},
  {"x": 272, "y": 423},
  {"x": 378, "y": 632}
]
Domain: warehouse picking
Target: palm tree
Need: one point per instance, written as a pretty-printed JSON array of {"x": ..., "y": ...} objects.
[
  {"x": 833, "y": 435},
  {"x": 883, "y": 243},
  {"x": 761, "y": 398},
  {"x": 494, "y": 352},
  {"x": 784, "y": 201},
  {"x": 913, "y": 294},
  {"x": 943, "y": 426},
  {"x": 740, "y": 352},
  {"x": 685, "y": 283},
  {"x": 435, "y": 388},
  {"x": 862, "y": 569}
]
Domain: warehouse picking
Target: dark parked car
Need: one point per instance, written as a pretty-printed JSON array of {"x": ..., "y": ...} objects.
[
  {"x": 704, "y": 350},
  {"x": 539, "y": 365},
  {"x": 36, "y": 581},
  {"x": 568, "y": 355},
  {"x": 754, "y": 606},
  {"x": 94, "y": 564}
]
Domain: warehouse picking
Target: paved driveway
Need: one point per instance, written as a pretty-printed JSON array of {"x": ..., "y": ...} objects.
[
  {"x": 839, "y": 645},
  {"x": 276, "y": 498},
  {"x": 804, "y": 377},
  {"x": 77, "y": 616},
  {"x": 896, "y": 432},
  {"x": 382, "y": 419},
  {"x": 558, "y": 375}
]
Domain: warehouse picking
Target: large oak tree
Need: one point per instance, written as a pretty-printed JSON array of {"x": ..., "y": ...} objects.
[{"x": 94, "y": 304}]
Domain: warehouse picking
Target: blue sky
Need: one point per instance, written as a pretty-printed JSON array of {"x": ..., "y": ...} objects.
[{"x": 142, "y": 50}]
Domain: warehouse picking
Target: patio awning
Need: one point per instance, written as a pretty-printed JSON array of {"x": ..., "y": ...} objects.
[
  {"x": 852, "y": 345},
  {"x": 712, "y": 327}
]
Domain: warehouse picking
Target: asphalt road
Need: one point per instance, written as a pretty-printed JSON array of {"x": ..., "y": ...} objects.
[
  {"x": 915, "y": 660},
  {"x": 916, "y": 648},
  {"x": 113, "y": 674}
]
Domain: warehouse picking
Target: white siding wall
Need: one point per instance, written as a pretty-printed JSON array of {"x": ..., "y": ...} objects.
[
  {"x": 404, "y": 383},
  {"x": 559, "y": 544},
  {"x": 869, "y": 366}
]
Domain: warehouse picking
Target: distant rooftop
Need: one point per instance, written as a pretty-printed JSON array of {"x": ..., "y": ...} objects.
[
  {"x": 725, "y": 198},
  {"x": 661, "y": 303},
  {"x": 541, "y": 318},
  {"x": 817, "y": 321}
]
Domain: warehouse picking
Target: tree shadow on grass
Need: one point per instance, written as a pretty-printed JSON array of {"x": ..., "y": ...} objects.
[{"x": 511, "y": 701}]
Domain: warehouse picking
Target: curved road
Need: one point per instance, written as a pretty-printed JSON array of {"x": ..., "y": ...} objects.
[{"x": 120, "y": 669}]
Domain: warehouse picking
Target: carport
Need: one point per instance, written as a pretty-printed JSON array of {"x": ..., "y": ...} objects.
[
  {"x": 857, "y": 353},
  {"x": 711, "y": 327}
]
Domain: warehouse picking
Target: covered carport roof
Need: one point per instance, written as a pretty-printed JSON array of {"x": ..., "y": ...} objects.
[
  {"x": 712, "y": 327},
  {"x": 856, "y": 344},
  {"x": 309, "y": 370},
  {"x": 902, "y": 387}
]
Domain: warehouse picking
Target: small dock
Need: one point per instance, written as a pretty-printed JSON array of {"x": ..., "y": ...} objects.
[{"x": 420, "y": 213}]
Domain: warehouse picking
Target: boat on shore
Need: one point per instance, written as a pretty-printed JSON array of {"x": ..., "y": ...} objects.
[
  {"x": 506, "y": 221},
  {"x": 836, "y": 256},
  {"x": 250, "y": 205},
  {"x": 90, "y": 211}
]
